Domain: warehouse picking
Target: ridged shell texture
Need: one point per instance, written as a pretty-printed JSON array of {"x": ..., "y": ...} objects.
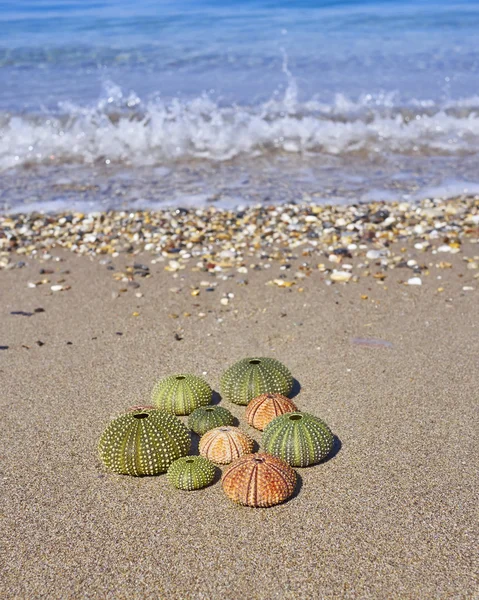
[
  {"x": 259, "y": 480},
  {"x": 223, "y": 444},
  {"x": 181, "y": 394},
  {"x": 298, "y": 438},
  {"x": 143, "y": 443},
  {"x": 205, "y": 418},
  {"x": 263, "y": 409},
  {"x": 250, "y": 377},
  {"x": 191, "y": 473}
]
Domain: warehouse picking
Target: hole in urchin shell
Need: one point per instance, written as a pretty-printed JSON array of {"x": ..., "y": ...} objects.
[
  {"x": 295, "y": 417},
  {"x": 209, "y": 409},
  {"x": 254, "y": 361},
  {"x": 180, "y": 377},
  {"x": 258, "y": 459},
  {"x": 141, "y": 416},
  {"x": 224, "y": 428},
  {"x": 190, "y": 460}
]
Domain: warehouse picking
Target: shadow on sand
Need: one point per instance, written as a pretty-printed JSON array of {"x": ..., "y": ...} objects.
[
  {"x": 296, "y": 388},
  {"x": 337, "y": 445}
]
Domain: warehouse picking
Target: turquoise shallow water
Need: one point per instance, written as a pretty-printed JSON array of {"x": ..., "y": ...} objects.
[{"x": 193, "y": 102}]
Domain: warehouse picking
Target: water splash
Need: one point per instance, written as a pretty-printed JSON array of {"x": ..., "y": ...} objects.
[{"x": 121, "y": 128}]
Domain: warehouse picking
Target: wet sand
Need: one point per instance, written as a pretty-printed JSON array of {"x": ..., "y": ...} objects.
[{"x": 392, "y": 368}]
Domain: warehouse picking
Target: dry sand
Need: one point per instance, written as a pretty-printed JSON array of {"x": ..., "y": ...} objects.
[{"x": 392, "y": 515}]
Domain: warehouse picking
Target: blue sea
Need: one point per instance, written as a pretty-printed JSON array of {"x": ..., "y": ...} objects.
[{"x": 122, "y": 104}]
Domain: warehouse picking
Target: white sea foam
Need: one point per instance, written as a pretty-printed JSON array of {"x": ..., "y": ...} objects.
[{"x": 122, "y": 129}]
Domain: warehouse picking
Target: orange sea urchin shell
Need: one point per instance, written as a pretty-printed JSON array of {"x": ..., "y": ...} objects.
[
  {"x": 259, "y": 480},
  {"x": 221, "y": 445},
  {"x": 263, "y": 409}
]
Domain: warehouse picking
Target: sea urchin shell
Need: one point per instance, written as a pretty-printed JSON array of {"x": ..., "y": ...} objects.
[
  {"x": 205, "y": 418},
  {"x": 191, "y": 473},
  {"x": 264, "y": 408},
  {"x": 259, "y": 480},
  {"x": 250, "y": 377},
  {"x": 298, "y": 438},
  {"x": 223, "y": 444},
  {"x": 143, "y": 442},
  {"x": 181, "y": 394}
]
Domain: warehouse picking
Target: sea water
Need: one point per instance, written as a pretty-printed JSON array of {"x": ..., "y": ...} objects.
[{"x": 121, "y": 104}]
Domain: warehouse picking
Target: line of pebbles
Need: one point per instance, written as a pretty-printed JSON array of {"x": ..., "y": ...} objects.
[{"x": 216, "y": 240}]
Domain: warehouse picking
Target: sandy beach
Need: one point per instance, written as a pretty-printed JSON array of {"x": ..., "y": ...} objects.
[{"x": 88, "y": 324}]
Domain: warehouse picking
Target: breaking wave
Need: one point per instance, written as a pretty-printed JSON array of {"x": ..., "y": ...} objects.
[{"x": 121, "y": 128}]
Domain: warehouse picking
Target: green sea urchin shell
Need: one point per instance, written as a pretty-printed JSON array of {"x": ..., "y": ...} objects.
[
  {"x": 298, "y": 438},
  {"x": 250, "y": 377},
  {"x": 143, "y": 442},
  {"x": 205, "y": 418},
  {"x": 181, "y": 394},
  {"x": 191, "y": 473}
]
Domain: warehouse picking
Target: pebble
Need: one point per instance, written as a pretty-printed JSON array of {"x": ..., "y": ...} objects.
[
  {"x": 414, "y": 281},
  {"x": 173, "y": 265},
  {"x": 282, "y": 283},
  {"x": 340, "y": 276},
  {"x": 56, "y": 288}
]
